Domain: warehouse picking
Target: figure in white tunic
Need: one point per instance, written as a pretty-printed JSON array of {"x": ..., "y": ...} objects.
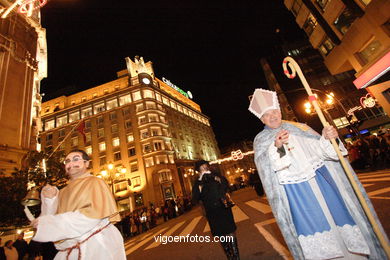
[
  {"x": 311, "y": 198},
  {"x": 78, "y": 218}
]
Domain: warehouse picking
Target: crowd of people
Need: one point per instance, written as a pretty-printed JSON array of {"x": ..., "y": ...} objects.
[
  {"x": 370, "y": 152},
  {"x": 20, "y": 249},
  {"x": 142, "y": 220}
]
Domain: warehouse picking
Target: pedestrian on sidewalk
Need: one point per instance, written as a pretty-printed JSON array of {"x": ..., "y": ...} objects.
[
  {"x": 312, "y": 200},
  {"x": 211, "y": 189}
]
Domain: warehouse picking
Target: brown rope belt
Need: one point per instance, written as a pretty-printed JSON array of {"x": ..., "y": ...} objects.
[{"x": 77, "y": 246}]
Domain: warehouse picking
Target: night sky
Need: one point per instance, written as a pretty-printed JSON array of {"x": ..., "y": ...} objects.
[{"x": 211, "y": 48}]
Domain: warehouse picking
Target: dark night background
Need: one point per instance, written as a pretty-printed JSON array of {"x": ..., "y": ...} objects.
[{"x": 212, "y": 49}]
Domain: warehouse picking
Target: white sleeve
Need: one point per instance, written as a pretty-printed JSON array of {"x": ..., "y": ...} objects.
[
  {"x": 67, "y": 225},
  {"x": 328, "y": 150},
  {"x": 278, "y": 163},
  {"x": 49, "y": 205}
]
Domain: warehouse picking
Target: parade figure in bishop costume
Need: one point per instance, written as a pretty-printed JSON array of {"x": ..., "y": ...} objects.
[{"x": 312, "y": 200}]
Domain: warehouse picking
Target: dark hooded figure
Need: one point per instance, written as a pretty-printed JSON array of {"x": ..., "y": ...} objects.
[{"x": 212, "y": 190}]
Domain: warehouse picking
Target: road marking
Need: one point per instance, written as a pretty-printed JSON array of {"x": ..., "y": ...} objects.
[
  {"x": 365, "y": 175},
  {"x": 380, "y": 198},
  {"x": 168, "y": 233},
  {"x": 273, "y": 241},
  {"x": 190, "y": 226},
  {"x": 206, "y": 228},
  {"x": 238, "y": 214},
  {"x": 367, "y": 185},
  {"x": 136, "y": 239},
  {"x": 143, "y": 242},
  {"x": 380, "y": 191},
  {"x": 375, "y": 179},
  {"x": 264, "y": 208}
]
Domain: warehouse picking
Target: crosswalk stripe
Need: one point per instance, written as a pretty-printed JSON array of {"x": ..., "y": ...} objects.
[
  {"x": 274, "y": 242},
  {"x": 364, "y": 175},
  {"x": 238, "y": 214},
  {"x": 380, "y": 191},
  {"x": 206, "y": 228},
  {"x": 146, "y": 240},
  {"x": 375, "y": 179},
  {"x": 367, "y": 185},
  {"x": 133, "y": 241},
  {"x": 190, "y": 226},
  {"x": 264, "y": 208},
  {"x": 168, "y": 233},
  {"x": 381, "y": 198}
]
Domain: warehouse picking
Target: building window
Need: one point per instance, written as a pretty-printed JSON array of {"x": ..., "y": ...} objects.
[
  {"x": 162, "y": 119},
  {"x": 369, "y": 52},
  {"x": 134, "y": 166},
  {"x": 142, "y": 120},
  {"x": 102, "y": 160},
  {"x": 112, "y": 103},
  {"x": 74, "y": 116},
  {"x": 148, "y": 93},
  {"x": 126, "y": 112},
  {"x": 113, "y": 116},
  {"x": 99, "y": 107},
  {"x": 139, "y": 107},
  {"x": 83, "y": 99},
  {"x": 130, "y": 138},
  {"x": 345, "y": 20},
  {"x": 117, "y": 156},
  {"x": 158, "y": 146},
  {"x": 88, "y": 137},
  {"x": 131, "y": 151},
  {"x": 296, "y": 7},
  {"x": 149, "y": 162},
  {"x": 322, "y": 4},
  {"x": 165, "y": 176},
  {"x": 114, "y": 128},
  {"x": 121, "y": 186},
  {"x": 88, "y": 124},
  {"x": 61, "y": 133},
  {"x": 128, "y": 124},
  {"x": 136, "y": 95},
  {"x": 74, "y": 141},
  {"x": 144, "y": 133},
  {"x": 100, "y": 132},
  {"x": 161, "y": 159},
  {"x": 147, "y": 148},
  {"x": 49, "y": 137},
  {"x": 102, "y": 147},
  {"x": 88, "y": 150},
  {"x": 165, "y": 100},
  {"x": 150, "y": 105},
  {"x": 139, "y": 200},
  {"x": 173, "y": 105},
  {"x": 115, "y": 142},
  {"x": 158, "y": 97},
  {"x": 86, "y": 111},
  {"x": 100, "y": 120},
  {"x": 326, "y": 47},
  {"x": 123, "y": 100},
  {"x": 310, "y": 24},
  {"x": 156, "y": 131},
  {"x": 62, "y": 120},
  {"x": 171, "y": 159},
  {"x": 153, "y": 117}
]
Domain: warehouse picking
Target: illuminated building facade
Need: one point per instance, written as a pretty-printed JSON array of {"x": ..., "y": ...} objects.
[
  {"x": 23, "y": 62},
  {"x": 351, "y": 35},
  {"x": 148, "y": 129}
]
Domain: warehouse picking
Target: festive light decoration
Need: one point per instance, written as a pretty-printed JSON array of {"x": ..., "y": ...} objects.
[
  {"x": 25, "y": 7},
  {"x": 235, "y": 155},
  {"x": 367, "y": 101}
]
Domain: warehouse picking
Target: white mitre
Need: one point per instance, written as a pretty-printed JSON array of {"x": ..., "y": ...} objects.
[{"x": 262, "y": 101}]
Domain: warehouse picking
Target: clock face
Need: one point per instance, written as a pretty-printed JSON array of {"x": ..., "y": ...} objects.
[{"x": 146, "y": 81}]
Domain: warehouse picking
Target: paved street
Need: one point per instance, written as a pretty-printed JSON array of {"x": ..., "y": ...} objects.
[{"x": 257, "y": 232}]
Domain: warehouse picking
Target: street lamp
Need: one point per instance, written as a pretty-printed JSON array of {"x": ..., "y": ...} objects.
[{"x": 109, "y": 174}]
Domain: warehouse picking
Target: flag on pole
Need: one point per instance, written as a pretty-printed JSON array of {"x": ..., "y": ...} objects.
[{"x": 81, "y": 129}]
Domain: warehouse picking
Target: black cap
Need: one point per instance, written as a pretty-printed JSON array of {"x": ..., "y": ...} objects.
[{"x": 200, "y": 163}]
